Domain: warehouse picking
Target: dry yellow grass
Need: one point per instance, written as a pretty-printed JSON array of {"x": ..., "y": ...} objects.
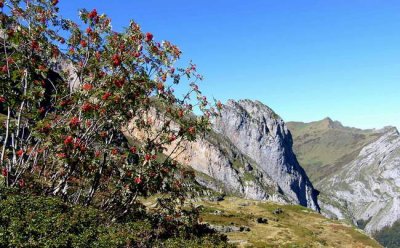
[{"x": 295, "y": 227}]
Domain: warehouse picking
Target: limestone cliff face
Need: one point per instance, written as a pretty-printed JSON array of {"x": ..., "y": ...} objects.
[
  {"x": 222, "y": 167},
  {"x": 261, "y": 135},
  {"x": 248, "y": 154},
  {"x": 367, "y": 190}
]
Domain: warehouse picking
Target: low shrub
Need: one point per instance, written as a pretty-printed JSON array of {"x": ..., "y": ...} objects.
[{"x": 37, "y": 221}]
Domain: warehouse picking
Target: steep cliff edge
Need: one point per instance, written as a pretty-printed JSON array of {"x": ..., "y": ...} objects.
[{"x": 259, "y": 133}]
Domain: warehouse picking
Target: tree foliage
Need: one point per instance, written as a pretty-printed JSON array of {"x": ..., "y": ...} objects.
[{"x": 71, "y": 93}]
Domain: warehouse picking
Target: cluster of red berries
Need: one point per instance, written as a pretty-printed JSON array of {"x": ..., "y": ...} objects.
[
  {"x": 106, "y": 96},
  {"x": 68, "y": 140},
  {"x": 74, "y": 121},
  {"x": 116, "y": 60},
  {"x": 93, "y": 16},
  {"x": 87, "y": 86},
  {"x": 119, "y": 83},
  {"x": 149, "y": 37}
]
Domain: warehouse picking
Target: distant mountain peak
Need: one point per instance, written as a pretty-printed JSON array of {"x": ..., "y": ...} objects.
[
  {"x": 328, "y": 119},
  {"x": 328, "y": 123}
]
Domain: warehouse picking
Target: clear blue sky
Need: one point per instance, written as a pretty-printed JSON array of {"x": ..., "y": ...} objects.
[{"x": 305, "y": 59}]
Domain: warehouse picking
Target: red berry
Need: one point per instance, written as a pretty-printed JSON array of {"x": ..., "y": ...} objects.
[
  {"x": 87, "y": 87},
  {"x": 20, "y": 153},
  {"x": 74, "y": 121},
  {"x": 65, "y": 103},
  {"x": 147, "y": 157},
  {"x": 35, "y": 45},
  {"x": 68, "y": 140},
  {"x": 4, "y": 172},
  {"x": 119, "y": 83},
  {"x": 138, "y": 180},
  {"x": 21, "y": 183},
  {"x": 106, "y": 96},
  {"x": 86, "y": 107},
  {"x": 116, "y": 60},
  {"x": 2, "y": 99},
  {"x": 149, "y": 37},
  {"x": 136, "y": 54},
  {"x": 93, "y": 14},
  {"x": 61, "y": 155},
  {"x": 83, "y": 43},
  {"x": 42, "y": 68}
]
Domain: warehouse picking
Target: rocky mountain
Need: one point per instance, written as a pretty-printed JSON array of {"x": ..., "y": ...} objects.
[
  {"x": 357, "y": 171},
  {"x": 249, "y": 154},
  {"x": 260, "y": 134},
  {"x": 368, "y": 188}
]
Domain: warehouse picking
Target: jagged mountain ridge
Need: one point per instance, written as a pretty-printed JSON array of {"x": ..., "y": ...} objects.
[{"x": 357, "y": 171}]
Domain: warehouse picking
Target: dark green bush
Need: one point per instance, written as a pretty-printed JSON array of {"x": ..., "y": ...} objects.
[
  {"x": 389, "y": 236},
  {"x": 37, "y": 221}
]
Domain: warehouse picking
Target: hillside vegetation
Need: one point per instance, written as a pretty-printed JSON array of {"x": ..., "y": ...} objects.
[
  {"x": 27, "y": 220},
  {"x": 389, "y": 236},
  {"x": 285, "y": 225},
  {"x": 323, "y": 147}
]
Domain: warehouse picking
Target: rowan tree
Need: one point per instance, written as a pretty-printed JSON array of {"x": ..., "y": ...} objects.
[{"x": 70, "y": 96}]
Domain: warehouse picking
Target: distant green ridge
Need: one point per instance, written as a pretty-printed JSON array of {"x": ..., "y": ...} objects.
[{"x": 323, "y": 147}]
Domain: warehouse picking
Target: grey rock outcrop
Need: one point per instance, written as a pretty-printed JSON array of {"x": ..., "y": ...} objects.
[
  {"x": 261, "y": 135},
  {"x": 367, "y": 190}
]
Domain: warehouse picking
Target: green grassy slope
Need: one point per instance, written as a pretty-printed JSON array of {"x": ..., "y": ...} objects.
[{"x": 323, "y": 147}]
